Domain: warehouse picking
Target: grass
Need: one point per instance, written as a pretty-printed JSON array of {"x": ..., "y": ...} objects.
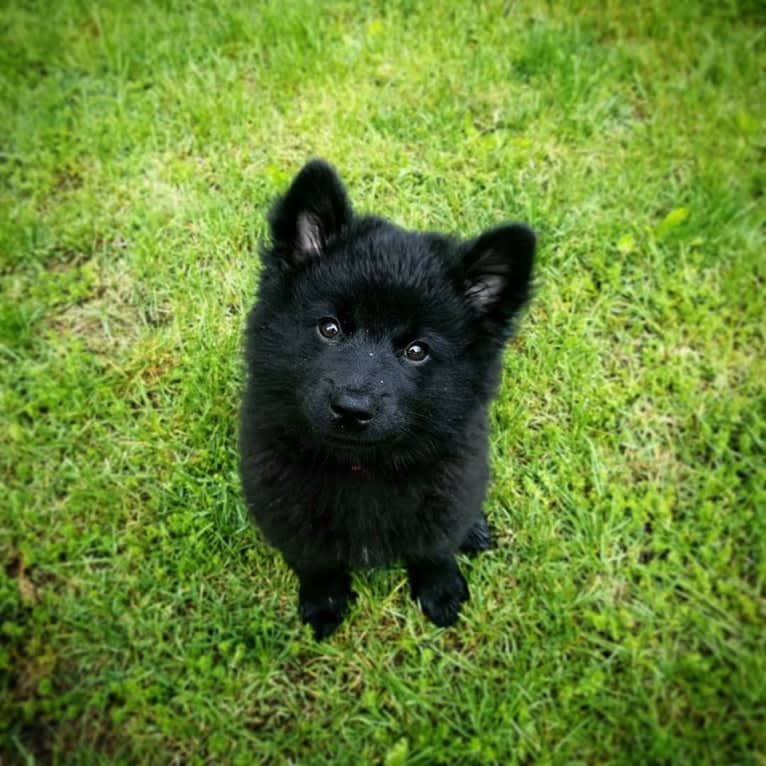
[{"x": 622, "y": 617}]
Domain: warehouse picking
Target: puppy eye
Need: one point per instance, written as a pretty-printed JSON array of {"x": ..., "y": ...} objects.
[
  {"x": 416, "y": 352},
  {"x": 329, "y": 328}
]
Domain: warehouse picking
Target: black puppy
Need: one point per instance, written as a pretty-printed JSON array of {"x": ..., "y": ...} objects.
[{"x": 372, "y": 355}]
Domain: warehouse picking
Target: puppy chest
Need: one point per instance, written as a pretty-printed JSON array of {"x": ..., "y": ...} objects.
[{"x": 371, "y": 523}]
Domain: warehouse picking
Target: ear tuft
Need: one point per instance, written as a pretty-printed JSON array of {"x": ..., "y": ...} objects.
[
  {"x": 313, "y": 212},
  {"x": 497, "y": 273},
  {"x": 309, "y": 234},
  {"x": 485, "y": 291}
]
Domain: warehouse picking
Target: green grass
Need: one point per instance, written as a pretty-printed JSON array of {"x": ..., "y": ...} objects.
[{"x": 622, "y": 617}]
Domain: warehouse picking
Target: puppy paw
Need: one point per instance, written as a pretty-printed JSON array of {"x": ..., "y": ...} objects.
[
  {"x": 324, "y": 613},
  {"x": 477, "y": 539},
  {"x": 440, "y": 593}
]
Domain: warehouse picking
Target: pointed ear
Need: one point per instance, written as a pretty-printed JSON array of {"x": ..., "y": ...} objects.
[
  {"x": 311, "y": 214},
  {"x": 497, "y": 274}
]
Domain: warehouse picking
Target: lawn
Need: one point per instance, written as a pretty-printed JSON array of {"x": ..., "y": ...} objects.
[{"x": 622, "y": 616}]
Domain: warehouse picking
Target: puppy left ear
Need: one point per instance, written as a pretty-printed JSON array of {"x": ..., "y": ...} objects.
[
  {"x": 497, "y": 273},
  {"x": 311, "y": 214}
]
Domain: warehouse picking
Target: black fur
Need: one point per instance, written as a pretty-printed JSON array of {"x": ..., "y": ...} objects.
[{"x": 353, "y": 452}]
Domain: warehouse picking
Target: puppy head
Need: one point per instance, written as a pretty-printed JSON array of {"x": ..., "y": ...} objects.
[{"x": 374, "y": 342}]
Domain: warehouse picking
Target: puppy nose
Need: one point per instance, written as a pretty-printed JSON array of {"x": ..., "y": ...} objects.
[{"x": 353, "y": 409}]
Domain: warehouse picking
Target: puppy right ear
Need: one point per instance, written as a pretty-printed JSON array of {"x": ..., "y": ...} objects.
[
  {"x": 497, "y": 275},
  {"x": 310, "y": 215}
]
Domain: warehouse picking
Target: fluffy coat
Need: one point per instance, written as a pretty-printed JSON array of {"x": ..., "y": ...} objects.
[{"x": 372, "y": 355}]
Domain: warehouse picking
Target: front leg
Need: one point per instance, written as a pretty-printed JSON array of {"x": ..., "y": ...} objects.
[
  {"x": 440, "y": 588},
  {"x": 324, "y": 597}
]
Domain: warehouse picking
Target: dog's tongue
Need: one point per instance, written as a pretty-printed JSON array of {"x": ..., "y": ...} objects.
[{"x": 355, "y": 467}]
